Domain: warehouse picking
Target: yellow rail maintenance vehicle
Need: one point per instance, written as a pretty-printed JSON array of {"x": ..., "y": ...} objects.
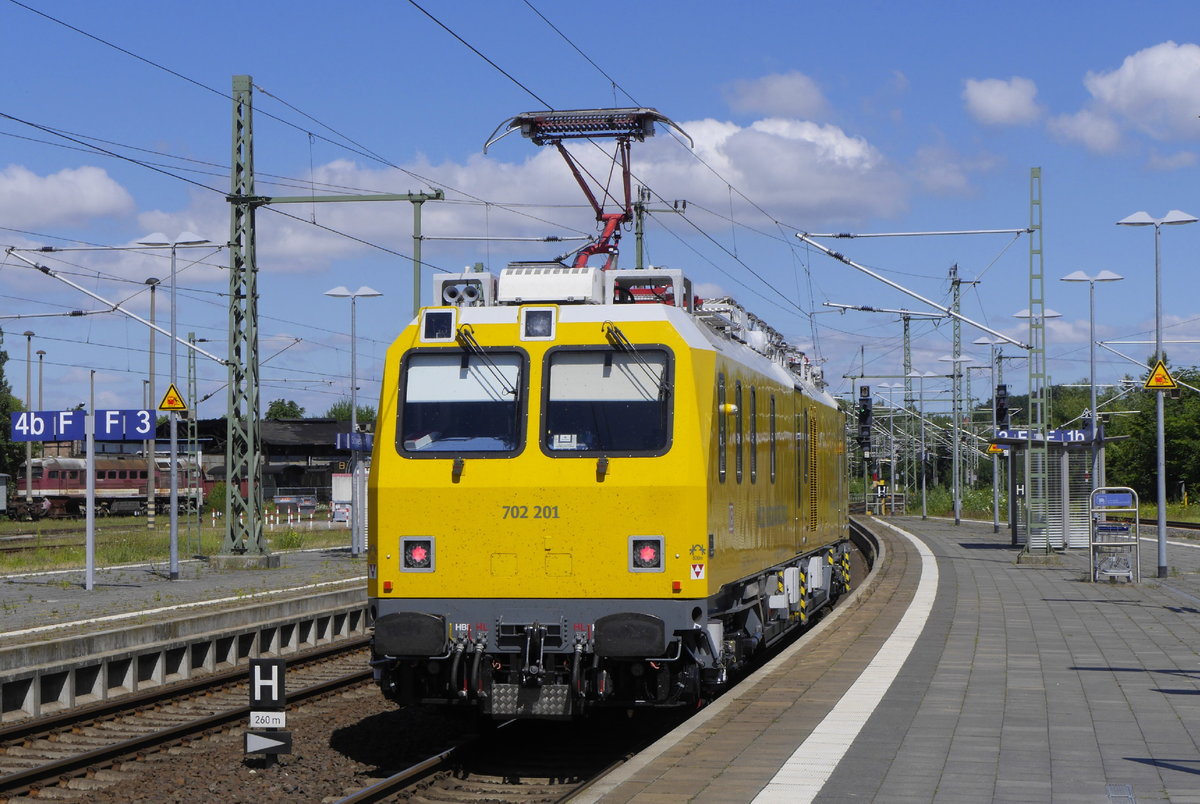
[{"x": 590, "y": 488}]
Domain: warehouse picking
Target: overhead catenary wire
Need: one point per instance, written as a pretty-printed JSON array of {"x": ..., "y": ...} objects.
[
  {"x": 353, "y": 146},
  {"x": 769, "y": 284},
  {"x": 366, "y": 153},
  {"x": 537, "y": 97}
]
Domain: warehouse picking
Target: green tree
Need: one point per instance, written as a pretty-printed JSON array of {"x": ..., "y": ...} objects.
[
  {"x": 340, "y": 411},
  {"x": 11, "y": 453},
  {"x": 284, "y": 409},
  {"x": 217, "y": 497}
]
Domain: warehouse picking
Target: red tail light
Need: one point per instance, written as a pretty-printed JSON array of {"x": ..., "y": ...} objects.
[
  {"x": 646, "y": 554},
  {"x": 416, "y": 554}
]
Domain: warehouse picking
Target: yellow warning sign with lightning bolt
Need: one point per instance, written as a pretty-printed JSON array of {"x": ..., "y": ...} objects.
[
  {"x": 1160, "y": 379},
  {"x": 172, "y": 400}
]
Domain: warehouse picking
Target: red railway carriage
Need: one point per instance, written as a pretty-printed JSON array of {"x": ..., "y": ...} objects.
[{"x": 59, "y": 486}]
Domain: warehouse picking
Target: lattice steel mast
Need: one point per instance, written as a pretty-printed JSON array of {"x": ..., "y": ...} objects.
[
  {"x": 243, "y": 445},
  {"x": 1037, "y": 490}
]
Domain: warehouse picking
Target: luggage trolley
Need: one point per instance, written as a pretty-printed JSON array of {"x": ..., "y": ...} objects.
[{"x": 1115, "y": 549}]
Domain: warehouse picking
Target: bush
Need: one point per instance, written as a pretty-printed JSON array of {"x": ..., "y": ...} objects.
[
  {"x": 217, "y": 498},
  {"x": 939, "y": 501},
  {"x": 291, "y": 539}
]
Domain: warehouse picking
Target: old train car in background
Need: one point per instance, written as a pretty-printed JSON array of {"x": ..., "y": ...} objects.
[{"x": 59, "y": 486}]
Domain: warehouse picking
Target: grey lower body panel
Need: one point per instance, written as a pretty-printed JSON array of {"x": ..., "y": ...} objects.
[{"x": 625, "y": 623}]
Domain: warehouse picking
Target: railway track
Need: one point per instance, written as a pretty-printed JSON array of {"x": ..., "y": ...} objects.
[
  {"x": 1146, "y": 522},
  {"x": 83, "y": 749},
  {"x": 528, "y": 761},
  {"x": 184, "y": 744},
  {"x": 30, "y": 546},
  {"x": 539, "y": 761}
]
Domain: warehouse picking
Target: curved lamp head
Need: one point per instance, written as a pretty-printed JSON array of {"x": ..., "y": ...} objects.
[
  {"x": 1047, "y": 313},
  {"x": 1174, "y": 217},
  {"x": 184, "y": 239},
  {"x": 342, "y": 292},
  {"x": 1080, "y": 276}
]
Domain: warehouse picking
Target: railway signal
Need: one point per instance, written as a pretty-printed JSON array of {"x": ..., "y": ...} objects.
[
  {"x": 269, "y": 742},
  {"x": 864, "y": 418},
  {"x": 267, "y": 701}
]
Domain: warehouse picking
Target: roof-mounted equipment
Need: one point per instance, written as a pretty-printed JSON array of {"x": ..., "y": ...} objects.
[{"x": 623, "y": 125}]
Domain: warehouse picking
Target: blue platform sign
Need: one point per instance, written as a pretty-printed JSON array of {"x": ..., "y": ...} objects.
[
  {"x": 125, "y": 425},
  {"x": 363, "y": 442},
  {"x": 68, "y": 425},
  {"x": 1054, "y": 436},
  {"x": 1122, "y": 499},
  {"x": 47, "y": 425}
]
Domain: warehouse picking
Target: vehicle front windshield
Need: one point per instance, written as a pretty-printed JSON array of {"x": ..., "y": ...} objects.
[
  {"x": 604, "y": 400},
  {"x": 461, "y": 402}
]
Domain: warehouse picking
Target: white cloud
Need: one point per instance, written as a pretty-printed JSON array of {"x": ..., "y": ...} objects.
[
  {"x": 791, "y": 94},
  {"x": 810, "y": 173},
  {"x": 28, "y": 200},
  {"x": 943, "y": 170},
  {"x": 1097, "y": 131},
  {"x": 1175, "y": 161},
  {"x": 710, "y": 290},
  {"x": 1064, "y": 331},
  {"x": 1156, "y": 91},
  {"x": 994, "y": 102},
  {"x": 800, "y": 171}
]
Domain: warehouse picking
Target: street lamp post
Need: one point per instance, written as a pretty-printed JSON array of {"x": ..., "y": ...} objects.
[
  {"x": 40, "y": 353},
  {"x": 956, "y": 362},
  {"x": 29, "y": 406},
  {"x": 1097, "y": 443},
  {"x": 151, "y": 445},
  {"x": 1172, "y": 218},
  {"x": 356, "y": 535},
  {"x": 995, "y": 366},
  {"x": 921, "y": 415},
  {"x": 184, "y": 239},
  {"x": 891, "y": 386}
]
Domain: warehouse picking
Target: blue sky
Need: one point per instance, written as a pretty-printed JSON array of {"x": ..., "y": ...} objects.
[{"x": 817, "y": 117}]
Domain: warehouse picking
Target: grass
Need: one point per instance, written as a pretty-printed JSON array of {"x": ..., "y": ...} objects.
[
  {"x": 977, "y": 504},
  {"x": 1176, "y": 512},
  {"x": 127, "y": 540}
]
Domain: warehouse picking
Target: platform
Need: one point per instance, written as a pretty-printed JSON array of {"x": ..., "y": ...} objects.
[
  {"x": 958, "y": 675},
  {"x": 41, "y": 605}
]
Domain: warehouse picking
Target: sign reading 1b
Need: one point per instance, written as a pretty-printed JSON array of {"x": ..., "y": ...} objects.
[{"x": 68, "y": 425}]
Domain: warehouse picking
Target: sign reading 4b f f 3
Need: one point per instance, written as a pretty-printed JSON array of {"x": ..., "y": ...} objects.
[{"x": 1160, "y": 379}]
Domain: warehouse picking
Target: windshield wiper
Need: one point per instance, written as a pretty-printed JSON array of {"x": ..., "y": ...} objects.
[
  {"x": 465, "y": 336},
  {"x": 618, "y": 339}
]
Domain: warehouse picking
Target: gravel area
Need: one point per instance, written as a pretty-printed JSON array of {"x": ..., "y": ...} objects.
[{"x": 339, "y": 745}]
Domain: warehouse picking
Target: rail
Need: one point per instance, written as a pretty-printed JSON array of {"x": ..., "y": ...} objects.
[{"x": 78, "y": 763}]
